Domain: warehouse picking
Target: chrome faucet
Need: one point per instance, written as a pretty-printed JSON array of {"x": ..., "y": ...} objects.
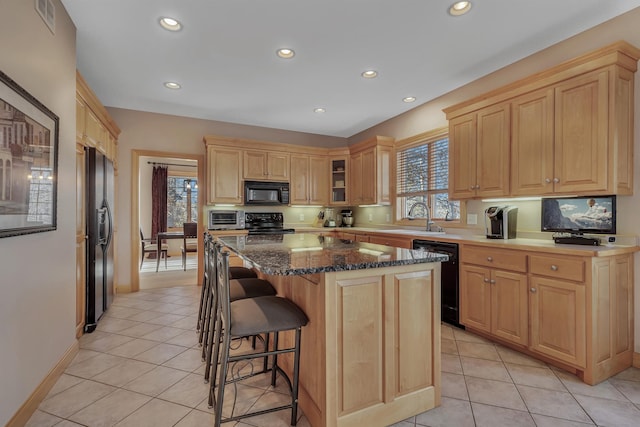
[{"x": 426, "y": 208}]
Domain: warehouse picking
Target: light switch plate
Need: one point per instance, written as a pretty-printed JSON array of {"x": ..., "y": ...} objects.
[
  {"x": 301, "y": 217},
  {"x": 472, "y": 219},
  {"x": 370, "y": 217}
]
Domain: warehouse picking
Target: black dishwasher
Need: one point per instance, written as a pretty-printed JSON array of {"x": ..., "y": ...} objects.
[{"x": 450, "y": 294}]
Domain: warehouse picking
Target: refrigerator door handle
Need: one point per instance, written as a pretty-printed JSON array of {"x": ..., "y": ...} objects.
[
  {"x": 101, "y": 218},
  {"x": 109, "y": 231},
  {"x": 105, "y": 225}
]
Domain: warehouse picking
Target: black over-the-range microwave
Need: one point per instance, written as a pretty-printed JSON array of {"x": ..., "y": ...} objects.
[{"x": 266, "y": 193}]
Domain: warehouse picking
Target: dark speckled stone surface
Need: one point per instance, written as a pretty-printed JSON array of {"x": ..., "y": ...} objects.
[{"x": 309, "y": 253}]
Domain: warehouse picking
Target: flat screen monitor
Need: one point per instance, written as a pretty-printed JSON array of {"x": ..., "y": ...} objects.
[{"x": 579, "y": 215}]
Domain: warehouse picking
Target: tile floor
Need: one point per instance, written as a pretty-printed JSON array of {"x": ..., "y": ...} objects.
[{"x": 142, "y": 367}]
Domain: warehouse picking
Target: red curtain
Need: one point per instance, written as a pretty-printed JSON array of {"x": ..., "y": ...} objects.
[{"x": 158, "y": 201}]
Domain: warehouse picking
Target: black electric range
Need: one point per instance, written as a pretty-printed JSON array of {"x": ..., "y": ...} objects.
[{"x": 264, "y": 223}]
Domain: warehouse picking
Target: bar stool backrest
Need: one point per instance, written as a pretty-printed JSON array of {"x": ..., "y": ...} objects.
[{"x": 222, "y": 274}]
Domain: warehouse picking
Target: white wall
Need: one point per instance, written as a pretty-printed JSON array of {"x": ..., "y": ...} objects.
[{"x": 37, "y": 307}]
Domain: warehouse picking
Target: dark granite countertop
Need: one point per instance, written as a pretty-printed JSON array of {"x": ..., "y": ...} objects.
[{"x": 309, "y": 253}]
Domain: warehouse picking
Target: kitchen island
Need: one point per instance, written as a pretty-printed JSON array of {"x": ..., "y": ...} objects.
[{"x": 371, "y": 351}]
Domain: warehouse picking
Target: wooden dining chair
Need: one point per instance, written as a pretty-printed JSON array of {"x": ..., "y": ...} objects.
[
  {"x": 189, "y": 241},
  {"x": 150, "y": 246}
]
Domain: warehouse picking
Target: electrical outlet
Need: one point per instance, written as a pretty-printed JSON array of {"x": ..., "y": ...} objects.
[
  {"x": 472, "y": 219},
  {"x": 370, "y": 217},
  {"x": 301, "y": 217},
  {"x": 388, "y": 217}
]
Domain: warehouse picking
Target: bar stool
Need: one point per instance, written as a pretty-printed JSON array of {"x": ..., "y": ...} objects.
[
  {"x": 249, "y": 287},
  {"x": 250, "y": 317},
  {"x": 235, "y": 273}
]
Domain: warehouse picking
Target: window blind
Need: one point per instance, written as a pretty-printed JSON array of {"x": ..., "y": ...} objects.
[{"x": 423, "y": 169}]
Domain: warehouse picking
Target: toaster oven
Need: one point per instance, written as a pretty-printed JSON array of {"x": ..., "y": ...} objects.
[{"x": 226, "y": 220}]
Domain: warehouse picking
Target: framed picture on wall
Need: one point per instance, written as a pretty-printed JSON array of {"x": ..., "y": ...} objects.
[{"x": 28, "y": 162}]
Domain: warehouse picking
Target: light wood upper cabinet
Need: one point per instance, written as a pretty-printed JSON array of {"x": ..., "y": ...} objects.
[
  {"x": 309, "y": 180},
  {"x": 370, "y": 174},
  {"x": 462, "y": 157},
  {"x": 581, "y": 134},
  {"x": 94, "y": 126},
  {"x": 93, "y": 129},
  {"x": 266, "y": 166},
  {"x": 355, "y": 183},
  {"x": 224, "y": 166},
  {"x": 479, "y": 153},
  {"x": 532, "y": 143},
  {"x": 569, "y": 131},
  {"x": 81, "y": 117}
]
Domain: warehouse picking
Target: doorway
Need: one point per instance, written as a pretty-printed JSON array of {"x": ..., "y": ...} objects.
[{"x": 187, "y": 170}]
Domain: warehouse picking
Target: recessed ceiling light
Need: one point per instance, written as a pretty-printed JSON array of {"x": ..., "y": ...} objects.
[
  {"x": 285, "y": 53},
  {"x": 172, "y": 85},
  {"x": 370, "y": 74},
  {"x": 460, "y": 8},
  {"x": 170, "y": 24},
  {"x": 319, "y": 110},
  {"x": 409, "y": 99}
]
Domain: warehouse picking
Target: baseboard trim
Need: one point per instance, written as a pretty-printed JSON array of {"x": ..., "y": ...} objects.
[
  {"x": 636, "y": 360},
  {"x": 123, "y": 289},
  {"x": 29, "y": 407}
]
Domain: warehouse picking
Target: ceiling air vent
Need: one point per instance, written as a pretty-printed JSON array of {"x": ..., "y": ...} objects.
[{"x": 47, "y": 12}]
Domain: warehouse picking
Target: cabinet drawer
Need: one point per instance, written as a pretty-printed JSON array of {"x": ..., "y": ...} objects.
[
  {"x": 505, "y": 259},
  {"x": 562, "y": 268}
]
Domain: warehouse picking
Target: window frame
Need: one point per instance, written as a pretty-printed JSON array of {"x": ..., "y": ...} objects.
[
  {"x": 194, "y": 200},
  {"x": 398, "y": 207}
]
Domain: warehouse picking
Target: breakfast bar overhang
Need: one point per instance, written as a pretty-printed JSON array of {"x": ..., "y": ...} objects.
[{"x": 371, "y": 351}]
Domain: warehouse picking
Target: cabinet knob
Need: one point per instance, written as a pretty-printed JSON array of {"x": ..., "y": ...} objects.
[
  {"x": 554, "y": 267},
  {"x": 493, "y": 282},
  {"x": 490, "y": 259},
  {"x": 486, "y": 280},
  {"x": 547, "y": 180},
  {"x": 472, "y": 187},
  {"x": 533, "y": 290},
  {"x": 556, "y": 180}
]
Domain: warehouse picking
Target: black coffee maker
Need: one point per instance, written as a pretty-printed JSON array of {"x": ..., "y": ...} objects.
[{"x": 501, "y": 222}]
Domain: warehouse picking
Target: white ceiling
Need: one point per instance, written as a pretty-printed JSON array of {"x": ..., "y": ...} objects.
[{"x": 224, "y": 56}]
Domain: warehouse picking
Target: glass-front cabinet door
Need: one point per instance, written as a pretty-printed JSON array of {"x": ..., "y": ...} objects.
[{"x": 339, "y": 178}]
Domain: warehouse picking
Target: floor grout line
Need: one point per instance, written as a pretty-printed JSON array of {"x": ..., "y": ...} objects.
[{"x": 166, "y": 301}]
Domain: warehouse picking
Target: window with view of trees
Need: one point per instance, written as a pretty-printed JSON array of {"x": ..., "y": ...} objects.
[
  {"x": 182, "y": 201},
  {"x": 423, "y": 177}
]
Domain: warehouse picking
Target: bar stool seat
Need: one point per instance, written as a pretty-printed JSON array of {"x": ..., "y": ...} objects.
[{"x": 262, "y": 315}]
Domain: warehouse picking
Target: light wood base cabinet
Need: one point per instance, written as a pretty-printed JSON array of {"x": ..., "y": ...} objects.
[
  {"x": 371, "y": 351},
  {"x": 494, "y": 300},
  {"x": 580, "y": 308}
]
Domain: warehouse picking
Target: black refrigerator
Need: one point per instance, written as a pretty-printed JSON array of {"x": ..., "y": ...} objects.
[{"x": 100, "y": 194}]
